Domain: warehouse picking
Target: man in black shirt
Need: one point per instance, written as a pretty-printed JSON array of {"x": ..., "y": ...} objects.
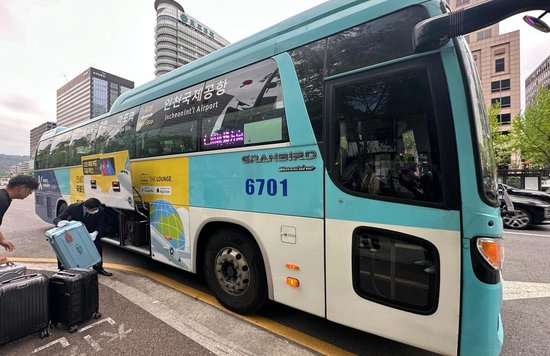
[
  {"x": 93, "y": 216},
  {"x": 18, "y": 187}
]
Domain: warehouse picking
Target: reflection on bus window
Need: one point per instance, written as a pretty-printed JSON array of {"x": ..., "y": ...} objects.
[
  {"x": 387, "y": 142},
  {"x": 42, "y": 154},
  {"x": 59, "y": 152},
  {"x": 168, "y": 125}
]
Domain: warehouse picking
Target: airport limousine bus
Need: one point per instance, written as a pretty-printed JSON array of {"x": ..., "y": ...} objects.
[{"x": 338, "y": 162}]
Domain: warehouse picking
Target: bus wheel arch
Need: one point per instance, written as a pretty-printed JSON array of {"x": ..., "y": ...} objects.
[
  {"x": 233, "y": 266},
  {"x": 61, "y": 206}
]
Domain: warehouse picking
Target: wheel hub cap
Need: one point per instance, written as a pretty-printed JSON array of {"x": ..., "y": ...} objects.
[{"x": 232, "y": 271}]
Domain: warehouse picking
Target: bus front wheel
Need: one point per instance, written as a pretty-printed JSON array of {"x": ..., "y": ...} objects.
[{"x": 235, "y": 271}]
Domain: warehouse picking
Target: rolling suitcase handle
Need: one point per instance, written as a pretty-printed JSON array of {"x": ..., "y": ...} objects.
[{"x": 27, "y": 276}]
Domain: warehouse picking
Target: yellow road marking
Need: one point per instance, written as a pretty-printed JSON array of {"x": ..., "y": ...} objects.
[{"x": 267, "y": 324}]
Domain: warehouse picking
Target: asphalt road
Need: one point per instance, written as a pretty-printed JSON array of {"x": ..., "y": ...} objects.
[{"x": 160, "y": 317}]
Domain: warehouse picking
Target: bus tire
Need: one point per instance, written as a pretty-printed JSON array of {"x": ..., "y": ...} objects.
[{"x": 235, "y": 271}]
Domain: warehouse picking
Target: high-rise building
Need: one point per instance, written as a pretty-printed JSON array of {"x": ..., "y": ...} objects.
[
  {"x": 179, "y": 38},
  {"x": 36, "y": 133},
  {"x": 90, "y": 94},
  {"x": 539, "y": 78},
  {"x": 497, "y": 59}
]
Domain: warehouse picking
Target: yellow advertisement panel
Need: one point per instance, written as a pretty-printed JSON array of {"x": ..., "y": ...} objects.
[
  {"x": 166, "y": 179},
  {"x": 164, "y": 184},
  {"x": 76, "y": 185},
  {"x": 107, "y": 177}
]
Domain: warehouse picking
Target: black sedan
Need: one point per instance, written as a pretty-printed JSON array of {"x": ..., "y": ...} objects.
[{"x": 530, "y": 208}]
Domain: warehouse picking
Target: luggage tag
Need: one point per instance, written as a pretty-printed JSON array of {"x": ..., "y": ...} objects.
[{"x": 68, "y": 237}]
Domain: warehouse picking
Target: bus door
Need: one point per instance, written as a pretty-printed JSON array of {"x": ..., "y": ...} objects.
[{"x": 392, "y": 205}]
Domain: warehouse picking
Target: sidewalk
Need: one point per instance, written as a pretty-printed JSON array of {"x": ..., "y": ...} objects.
[{"x": 144, "y": 313}]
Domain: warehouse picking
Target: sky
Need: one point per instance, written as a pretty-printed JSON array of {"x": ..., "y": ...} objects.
[{"x": 46, "y": 43}]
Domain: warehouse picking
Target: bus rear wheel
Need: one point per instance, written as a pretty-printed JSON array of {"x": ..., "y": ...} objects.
[{"x": 235, "y": 272}]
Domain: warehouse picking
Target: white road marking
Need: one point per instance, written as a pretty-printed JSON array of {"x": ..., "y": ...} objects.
[
  {"x": 106, "y": 320},
  {"x": 94, "y": 344},
  {"x": 525, "y": 290},
  {"x": 63, "y": 341},
  {"x": 522, "y": 233},
  {"x": 210, "y": 340}
]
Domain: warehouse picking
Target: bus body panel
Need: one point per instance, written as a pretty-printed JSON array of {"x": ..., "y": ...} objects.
[
  {"x": 437, "y": 332},
  {"x": 286, "y": 180},
  {"x": 303, "y": 248},
  {"x": 54, "y": 186},
  {"x": 164, "y": 185},
  {"x": 481, "y": 302}
]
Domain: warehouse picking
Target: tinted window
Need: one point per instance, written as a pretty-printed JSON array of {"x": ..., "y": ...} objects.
[
  {"x": 499, "y": 65},
  {"x": 309, "y": 62},
  {"x": 42, "y": 154},
  {"x": 168, "y": 125},
  {"x": 244, "y": 107},
  {"x": 397, "y": 270},
  {"x": 377, "y": 41},
  {"x": 385, "y": 139},
  {"x": 117, "y": 133},
  {"x": 83, "y": 142},
  {"x": 59, "y": 152}
]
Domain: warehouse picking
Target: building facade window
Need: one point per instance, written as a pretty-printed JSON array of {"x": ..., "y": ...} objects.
[
  {"x": 499, "y": 65},
  {"x": 500, "y": 85},
  {"x": 504, "y": 119},
  {"x": 484, "y": 34},
  {"x": 504, "y": 101},
  {"x": 100, "y": 104}
]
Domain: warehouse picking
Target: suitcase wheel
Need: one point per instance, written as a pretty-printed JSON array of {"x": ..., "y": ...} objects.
[
  {"x": 73, "y": 328},
  {"x": 45, "y": 333},
  {"x": 97, "y": 315}
]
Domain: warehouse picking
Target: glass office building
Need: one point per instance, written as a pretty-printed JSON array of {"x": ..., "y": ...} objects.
[
  {"x": 90, "y": 94},
  {"x": 179, "y": 38}
]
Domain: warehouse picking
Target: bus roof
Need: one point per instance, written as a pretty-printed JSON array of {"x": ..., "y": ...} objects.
[{"x": 318, "y": 22}]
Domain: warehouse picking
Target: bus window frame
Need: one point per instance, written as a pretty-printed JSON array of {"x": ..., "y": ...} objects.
[{"x": 442, "y": 120}]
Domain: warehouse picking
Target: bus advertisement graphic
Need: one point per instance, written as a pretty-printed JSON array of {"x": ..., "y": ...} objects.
[{"x": 107, "y": 178}]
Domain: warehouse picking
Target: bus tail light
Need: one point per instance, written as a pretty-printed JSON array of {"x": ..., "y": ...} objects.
[
  {"x": 293, "y": 282},
  {"x": 492, "y": 251}
]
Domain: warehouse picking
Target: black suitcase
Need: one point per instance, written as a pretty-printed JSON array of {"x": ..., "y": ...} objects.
[
  {"x": 24, "y": 307},
  {"x": 74, "y": 297}
]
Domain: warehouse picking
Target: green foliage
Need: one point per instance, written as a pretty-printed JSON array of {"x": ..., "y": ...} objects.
[
  {"x": 502, "y": 144},
  {"x": 531, "y": 131}
]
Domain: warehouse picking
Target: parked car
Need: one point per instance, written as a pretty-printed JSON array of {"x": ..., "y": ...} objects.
[{"x": 531, "y": 207}]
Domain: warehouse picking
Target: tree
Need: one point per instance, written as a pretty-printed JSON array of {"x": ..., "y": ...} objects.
[
  {"x": 502, "y": 143},
  {"x": 531, "y": 131}
]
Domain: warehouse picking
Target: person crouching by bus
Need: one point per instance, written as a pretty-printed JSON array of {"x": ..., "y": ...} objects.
[
  {"x": 93, "y": 216},
  {"x": 18, "y": 187}
]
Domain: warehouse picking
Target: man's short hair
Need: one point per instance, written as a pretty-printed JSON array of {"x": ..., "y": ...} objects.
[
  {"x": 22, "y": 180},
  {"x": 92, "y": 203}
]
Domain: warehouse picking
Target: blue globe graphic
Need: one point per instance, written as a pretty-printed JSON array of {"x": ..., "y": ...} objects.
[{"x": 166, "y": 220}]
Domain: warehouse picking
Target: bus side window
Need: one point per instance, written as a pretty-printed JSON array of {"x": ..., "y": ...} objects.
[
  {"x": 387, "y": 143},
  {"x": 42, "y": 154},
  {"x": 59, "y": 152}
]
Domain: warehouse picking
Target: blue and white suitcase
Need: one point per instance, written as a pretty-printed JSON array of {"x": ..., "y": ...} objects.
[{"x": 73, "y": 246}]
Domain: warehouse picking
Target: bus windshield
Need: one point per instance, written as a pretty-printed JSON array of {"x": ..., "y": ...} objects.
[{"x": 486, "y": 161}]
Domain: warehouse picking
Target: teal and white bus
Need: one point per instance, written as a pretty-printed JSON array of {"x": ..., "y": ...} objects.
[{"x": 338, "y": 162}]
